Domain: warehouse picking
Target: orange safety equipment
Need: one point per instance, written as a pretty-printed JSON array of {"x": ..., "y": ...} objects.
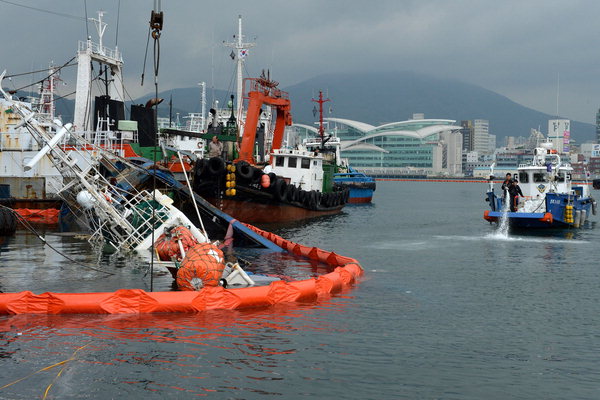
[
  {"x": 202, "y": 266},
  {"x": 168, "y": 244},
  {"x": 345, "y": 273},
  {"x": 265, "y": 181}
]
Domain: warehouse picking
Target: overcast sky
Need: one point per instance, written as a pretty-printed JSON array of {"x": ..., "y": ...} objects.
[{"x": 525, "y": 50}]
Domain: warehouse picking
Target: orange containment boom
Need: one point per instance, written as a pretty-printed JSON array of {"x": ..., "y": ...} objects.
[{"x": 137, "y": 301}]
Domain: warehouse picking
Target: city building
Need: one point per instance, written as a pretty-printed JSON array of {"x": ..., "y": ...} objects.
[
  {"x": 491, "y": 144},
  {"x": 481, "y": 136},
  {"x": 559, "y": 133},
  {"x": 598, "y": 126},
  {"x": 414, "y": 147},
  {"x": 467, "y": 135}
]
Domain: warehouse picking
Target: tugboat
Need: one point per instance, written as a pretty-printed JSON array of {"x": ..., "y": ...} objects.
[
  {"x": 360, "y": 186},
  {"x": 550, "y": 199},
  {"x": 295, "y": 183}
]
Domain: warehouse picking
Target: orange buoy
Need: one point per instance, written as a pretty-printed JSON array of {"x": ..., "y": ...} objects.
[
  {"x": 202, "y": 266},
  {"x": 265, "y": 181},
  {"x": 167, "y": 245}
]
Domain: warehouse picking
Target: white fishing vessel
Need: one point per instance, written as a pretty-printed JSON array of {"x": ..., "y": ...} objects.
[{"x": 550, "y": 198}]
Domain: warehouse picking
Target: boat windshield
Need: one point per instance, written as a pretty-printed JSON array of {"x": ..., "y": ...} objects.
[
  {"x": 523, "y": 177},
  {"x": 540, "y": 177}
]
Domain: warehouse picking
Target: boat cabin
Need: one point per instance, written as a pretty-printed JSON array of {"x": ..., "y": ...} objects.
[
  {"x": 546, "y": 173},
  {"x": 304, "y": 169}
]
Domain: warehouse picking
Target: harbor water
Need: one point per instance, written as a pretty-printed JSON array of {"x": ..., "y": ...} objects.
[{"x": 448, "y": 308}]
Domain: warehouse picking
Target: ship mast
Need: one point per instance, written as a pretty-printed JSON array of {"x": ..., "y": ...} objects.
[
  {"x": 88, "y": 52},
  {"x": 321, "y": 128},
  {"x": 240, "y": 56}
]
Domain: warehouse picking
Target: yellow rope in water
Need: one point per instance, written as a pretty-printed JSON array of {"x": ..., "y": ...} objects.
[
  {"x": 61, "y": 370},
  {"x": 46, "y": 369}
]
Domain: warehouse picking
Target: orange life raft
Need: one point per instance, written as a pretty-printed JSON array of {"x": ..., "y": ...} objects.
[{"x": 136, "y": 301}]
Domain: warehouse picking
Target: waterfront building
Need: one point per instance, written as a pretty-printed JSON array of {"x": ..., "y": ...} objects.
[
  {"x": 535, "y": 138},
  {"x": 491, "y": 144},
  {"x": 481, "y": 136},
  {"x": 510, "y": 142},
  {"x": 598, "y": 126},
  {"x": 417, "y": 146},
  {"x": 559, "y": 133},
  {"x": 467, "y": 135}
]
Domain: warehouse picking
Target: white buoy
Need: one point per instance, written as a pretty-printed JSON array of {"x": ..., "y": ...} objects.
[
  {"x": 577, "y": 220},
  {"x": 86, "y": 200}
]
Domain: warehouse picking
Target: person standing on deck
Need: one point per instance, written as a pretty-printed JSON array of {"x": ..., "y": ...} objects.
[
  {"x": 506, "y": 183},
  {"x": 506, "y": 186},
  {"x": 215, "y": 148},
  {"x": 514, "y": 190}
]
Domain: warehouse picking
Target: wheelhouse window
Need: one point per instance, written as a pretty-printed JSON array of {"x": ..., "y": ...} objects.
[
  {"x": 540, "y": 177},
  {"x": 279, "y": 161},
  {"x": 292, "y": 162},
  {"x": 523, "y": 177},
  {"x": 305, "y": 163},
  {"x": 560, "y": 177}
]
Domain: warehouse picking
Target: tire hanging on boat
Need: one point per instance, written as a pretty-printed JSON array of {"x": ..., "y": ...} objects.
[
  {"x": 244, "y": 170},
  {"x": 292, "y": 194},
  {"x": 273, "y": 178},
  {"x": 200, "y": 167},
  {"x": 216, "y": 166},
  {"x": 280, "y": 189},
  {"x": 257, "y": 173},
  {"x": 346, "y": 195},
  {"x": 8, "y": 221}
]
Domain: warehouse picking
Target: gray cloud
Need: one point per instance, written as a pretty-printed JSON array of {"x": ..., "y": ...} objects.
[{"x": 515, "y": 48}]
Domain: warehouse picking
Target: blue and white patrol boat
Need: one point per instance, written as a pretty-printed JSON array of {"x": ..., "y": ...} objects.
[{"x": 550, "y": 198}]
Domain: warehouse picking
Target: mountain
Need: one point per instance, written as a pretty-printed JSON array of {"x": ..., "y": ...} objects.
[{"x": 377, "y": 98}]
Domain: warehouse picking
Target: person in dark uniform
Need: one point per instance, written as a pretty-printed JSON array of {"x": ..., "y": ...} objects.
[
  {"x": 506, "y": 183},
  {"x": 513, "y": 191},
  {"x": 505, "y": 186}
]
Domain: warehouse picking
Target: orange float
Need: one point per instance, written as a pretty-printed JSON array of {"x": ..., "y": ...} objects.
[
  {"x": 47, "y": 216},
  {"x": 137, "y": 301},
  {"x": 168, "y": 244},
  {"x": 202, "y": 266}
]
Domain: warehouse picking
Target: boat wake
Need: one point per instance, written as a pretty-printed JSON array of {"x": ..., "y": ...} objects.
[{"x": 498, "y": 236}]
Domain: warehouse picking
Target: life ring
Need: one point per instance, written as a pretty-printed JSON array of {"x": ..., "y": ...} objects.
[
  {"x": 216, "y": 166},
  {"x": 200, "y": 145}
]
